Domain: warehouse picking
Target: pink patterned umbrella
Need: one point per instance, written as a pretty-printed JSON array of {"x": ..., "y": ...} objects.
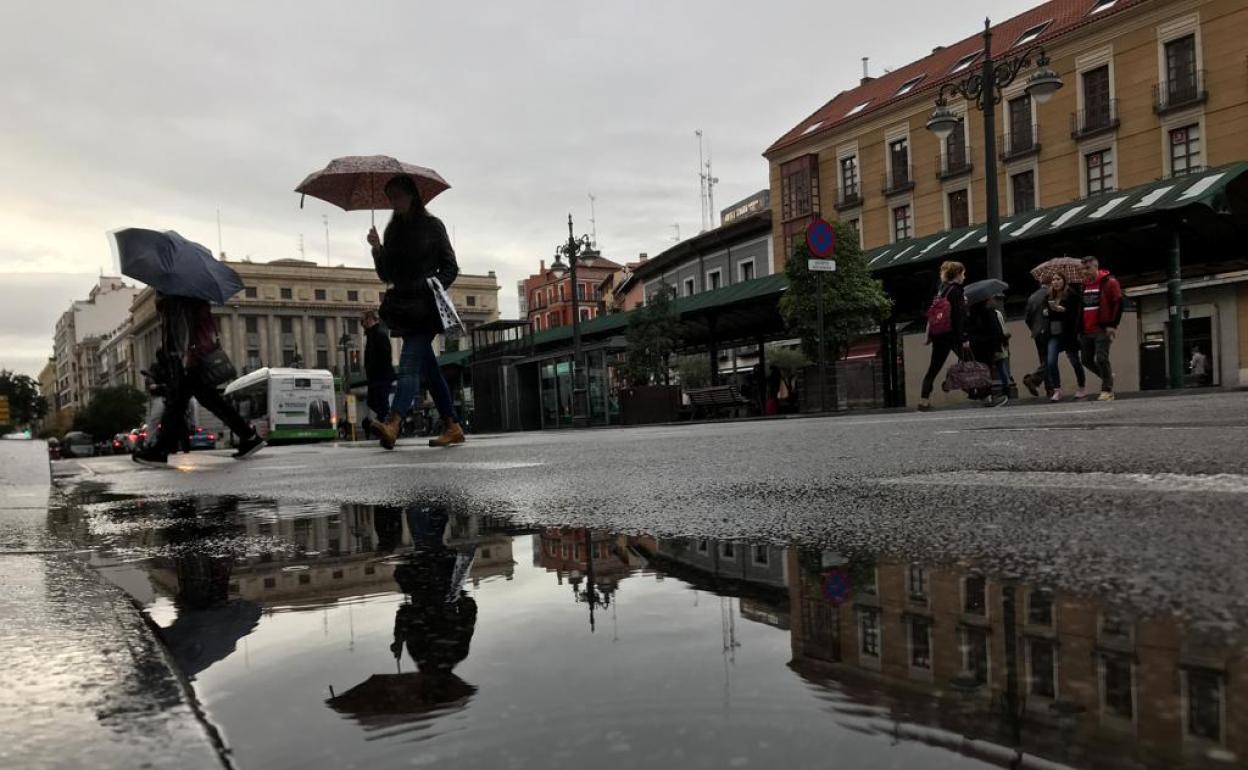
[{"x": 357, "y": 182}]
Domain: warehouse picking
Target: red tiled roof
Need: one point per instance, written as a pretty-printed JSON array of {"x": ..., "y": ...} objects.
[{"x": 1065, "y": 16}]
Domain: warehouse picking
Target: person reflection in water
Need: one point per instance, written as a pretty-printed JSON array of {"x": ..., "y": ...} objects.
[{"x": 437, "y": 621}]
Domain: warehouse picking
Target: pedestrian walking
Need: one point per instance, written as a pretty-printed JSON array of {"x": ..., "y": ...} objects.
[
  {"x": 1199, "y": 365},
  {"x": 946, "y": 326},
  {"x": 987, "y": 338},
  {"x": 774, "y": 379},
  {"x": 1102, "y": 312},
  {"x": 1003, "y": 355},
  {"x": 196, "y": 366},
  {"x": 414, "y": 249},
  {"x": 1064, "y": 311},
  {"x": 1038, "y": 324},
  {"x": 378, "y": 368}
]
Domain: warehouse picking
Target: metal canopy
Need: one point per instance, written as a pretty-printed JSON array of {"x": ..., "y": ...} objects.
[{"x": 1205, "y": 192}]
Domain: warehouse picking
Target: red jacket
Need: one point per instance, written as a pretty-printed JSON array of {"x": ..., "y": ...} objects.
[{"x": 1102, "y": 303}]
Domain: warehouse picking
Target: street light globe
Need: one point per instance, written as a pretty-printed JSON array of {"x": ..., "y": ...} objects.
[
  {"x": 1043, "y": 84},
  {"x": 558, "y": 268},
  {"x": 943, "y": 121}
]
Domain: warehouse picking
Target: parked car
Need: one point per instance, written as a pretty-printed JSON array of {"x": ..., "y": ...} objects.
[
  {"x": 118, "y": 445},
  {"x": 201, "y": 438},
  {"x": 134, "y": 439},
  {"x": 77, "y": 444}
]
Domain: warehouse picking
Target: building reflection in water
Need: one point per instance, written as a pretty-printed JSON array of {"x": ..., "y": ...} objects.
[{"x": 1003, "y": 668}]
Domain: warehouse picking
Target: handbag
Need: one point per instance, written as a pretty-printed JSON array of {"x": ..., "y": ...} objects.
[
  {"x": 216, "y": 368},
  {"x": 446, "y": 309},
  {"x": 968, "y": 375}
]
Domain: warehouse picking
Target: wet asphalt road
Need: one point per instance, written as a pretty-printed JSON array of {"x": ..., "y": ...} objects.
[{"x": 1141, "y": 499}]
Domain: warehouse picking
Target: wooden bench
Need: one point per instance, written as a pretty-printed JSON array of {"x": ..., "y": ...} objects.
[{"x": 716, "y": 399}]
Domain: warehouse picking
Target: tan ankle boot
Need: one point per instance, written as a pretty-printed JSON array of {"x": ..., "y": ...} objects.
[
  {"x": 452, "y": 435},
  {"x": 389, "y": 430}
]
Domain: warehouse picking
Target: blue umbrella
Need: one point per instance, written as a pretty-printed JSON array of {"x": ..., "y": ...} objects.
[{"x": 173, "y": 265}]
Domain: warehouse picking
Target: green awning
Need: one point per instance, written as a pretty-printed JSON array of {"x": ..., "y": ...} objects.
[
  {"x": 1207, "y": 189},
  {"x": 682, "y": 307},
  {"x": 454, "y": 358}
]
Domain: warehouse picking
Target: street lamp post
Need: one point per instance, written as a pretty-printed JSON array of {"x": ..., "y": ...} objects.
[
  {"x": 572, "y": 251},
  {"x": 345, "y": 345},
  {"x": 984, "y": 90}
]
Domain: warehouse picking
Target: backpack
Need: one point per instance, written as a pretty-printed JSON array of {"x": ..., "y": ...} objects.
[{"x": 940, "y": 315}]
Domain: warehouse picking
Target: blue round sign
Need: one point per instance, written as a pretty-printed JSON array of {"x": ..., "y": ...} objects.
[
  {"x": 836, "y": 585},
  {"x": 820, "y": 238}
]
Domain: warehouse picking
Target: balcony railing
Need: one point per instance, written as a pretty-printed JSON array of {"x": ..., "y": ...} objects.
[
  {"x": 848, "y": 197},
  {"x": 1020, "y": 143},
  {"x": 954, "y": 163},
  {"x": 900, "y": 180},
  {"x": 1187, "y": 90},
  {"x": 1097, "y": 119}
]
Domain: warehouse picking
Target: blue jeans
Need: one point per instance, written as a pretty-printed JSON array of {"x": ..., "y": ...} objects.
[
  {"x": 418, "y": 358},
  {"x": 1053, "y": 375}
]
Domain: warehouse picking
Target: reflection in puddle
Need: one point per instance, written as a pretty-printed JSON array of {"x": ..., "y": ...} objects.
[{"x": 333, "y": 636}]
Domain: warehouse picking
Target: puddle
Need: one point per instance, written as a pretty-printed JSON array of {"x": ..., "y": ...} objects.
[{"x": 377, "y": 636}]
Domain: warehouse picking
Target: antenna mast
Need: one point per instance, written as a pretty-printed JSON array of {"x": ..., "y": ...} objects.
[
  {"x": 676, "y": 227},
  {"x": 701, "y": 179},
  {"x": 301, "y": 246},
  {"x": 593, "y": 220},
  {"x": 325, "y": 219},
  {"x": 711, "y": 181}
]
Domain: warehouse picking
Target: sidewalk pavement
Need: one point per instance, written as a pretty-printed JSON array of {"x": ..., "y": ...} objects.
[{"x": 85, "y": 682}]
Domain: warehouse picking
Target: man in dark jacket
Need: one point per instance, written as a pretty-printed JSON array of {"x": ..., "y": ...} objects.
[
  {"x": 1038, "y": 325},
  {"x": 1102, "y": 312},
  {"x": 378, "y": 367}
]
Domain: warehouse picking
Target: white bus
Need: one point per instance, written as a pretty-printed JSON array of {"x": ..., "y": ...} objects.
[{"x": 287, "y": 404}]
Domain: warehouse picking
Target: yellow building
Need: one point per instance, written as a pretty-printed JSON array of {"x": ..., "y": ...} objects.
[{"x": 1153, "y": 90}]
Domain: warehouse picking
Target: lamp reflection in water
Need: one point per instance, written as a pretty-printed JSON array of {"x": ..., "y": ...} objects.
[{"x": 435, "y": 624}]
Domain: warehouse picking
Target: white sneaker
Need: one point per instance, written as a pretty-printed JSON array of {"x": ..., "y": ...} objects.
[
  {"x": 1081, "y": 394},
  {"x": 1057, "y": 396}
]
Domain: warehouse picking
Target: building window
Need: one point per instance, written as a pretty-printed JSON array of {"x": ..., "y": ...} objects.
[
  {"x": 320, "y": 325},
  {"x": 1203, "y": 697},
  {"x": 688, "y": 287},
  {"x": 250, "y": 292},
  {"x": 586, "y": 313},
  {"x": 747, "y": 270},
  {"x": 704, "y": 546},
  {"x": 898, "y": 164},
  {"x": 1022, "y": 138},
  {"x": 855, "y": 224},
  {"x": 253, "y": 359},
  {"x": 975, "y": 653},
  {"x": 975, "y": 596},
  {"x": 251, "y": 324},
  {"x": 563, "y": 292},
  {"x": 1023, "y": 186},
  {"x": 353, "y": 326},
  {"x": 955, "y": 147},
  {"x": 917, "y": 583},
  {"x": 714, "y": 280},
  {"x": 288, "y": 325},
  {"x": 288, "y": 357},
  {"x": 1033, "y": 33},
  {"x": 965, "y": 62},
  {"x": 1181, "y": 75},
  {"x": 869, "y": 633},
  {"x": 1116, "y": 686},
  {"x": 959, "y": 209},
  {"x": 901, "y": 223},
  {"x": 287, "y": 293},
  {"x": 762, "y": 557},
  {"x": 1185, "y": 150},
  {"x": 319, "y": 294},
  {"x": 270, "y": 583},
  {"x": 799, "y": 187},
  {"x": 728, "y": 549},
  {"x": 471, "y": 300},
  {"x": 920, "y": 643},
  {"x": 1096, "y": 101},
  {"x": 322, "y": 359},
  {"x": 1100, "y": 171},
  {"x": 1042, "y": 668},
  {"x": 849, "y": 178},
  {"x": 1040, "y": 608}
]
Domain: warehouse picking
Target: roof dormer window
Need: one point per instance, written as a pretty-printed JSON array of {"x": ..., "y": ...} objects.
[
  {"x": 1033, "y": 33},
  {"x": 909, "y": 85},
  {"x": 965, "y": 62},
  {"x": 857, "y": 109}
]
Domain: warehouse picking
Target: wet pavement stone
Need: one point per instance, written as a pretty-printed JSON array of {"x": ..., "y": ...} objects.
[{"x": 85, "y": 683}]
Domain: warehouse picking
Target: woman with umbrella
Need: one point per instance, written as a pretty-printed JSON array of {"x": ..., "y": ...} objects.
[
  {"x": 1064, "y": 311},
  {"x": 415, "y": 247}
]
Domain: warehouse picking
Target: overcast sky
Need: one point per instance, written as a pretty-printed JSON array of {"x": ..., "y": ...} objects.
[{"x": 157, "y": 114}]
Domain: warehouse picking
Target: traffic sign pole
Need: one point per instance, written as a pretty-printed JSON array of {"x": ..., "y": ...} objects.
[
  {"x": 823, "y": 368},
  {"x": 821, "y": 240}
]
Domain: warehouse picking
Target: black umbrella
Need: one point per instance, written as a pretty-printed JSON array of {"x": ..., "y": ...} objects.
[
  {"x": 981, "y": 291},
  {"x": 173, "y": 265}
]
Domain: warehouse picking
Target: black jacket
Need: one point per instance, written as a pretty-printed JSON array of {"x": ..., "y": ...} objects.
[
  {"x": 378, "y": 358},
  {"x": 1071, "y": 320},
  {"x": 984, "y": 331},
  {"x": 413, "y": 249},
  {"x": 1037, "y": 321}
]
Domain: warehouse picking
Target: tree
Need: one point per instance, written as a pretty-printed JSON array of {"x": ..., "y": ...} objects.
[
  {"x": 854, "y": 303},
  {"x": 790, "y": 361},
  {"x": 25, "y": 403},
  {"x": 111, "y": 411},
  {"x": 694, "y": 371},
  {"x": 651, "y": 339}
]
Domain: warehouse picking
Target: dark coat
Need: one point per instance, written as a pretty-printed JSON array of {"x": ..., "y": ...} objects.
[
  {"x": 1037, "y": 321},
  {"x": 413, "y": 249},
  {"x": 378, "y": 358},
  {"x": 984, "y": 332},
  {"x": 1072, "y": 317}
]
